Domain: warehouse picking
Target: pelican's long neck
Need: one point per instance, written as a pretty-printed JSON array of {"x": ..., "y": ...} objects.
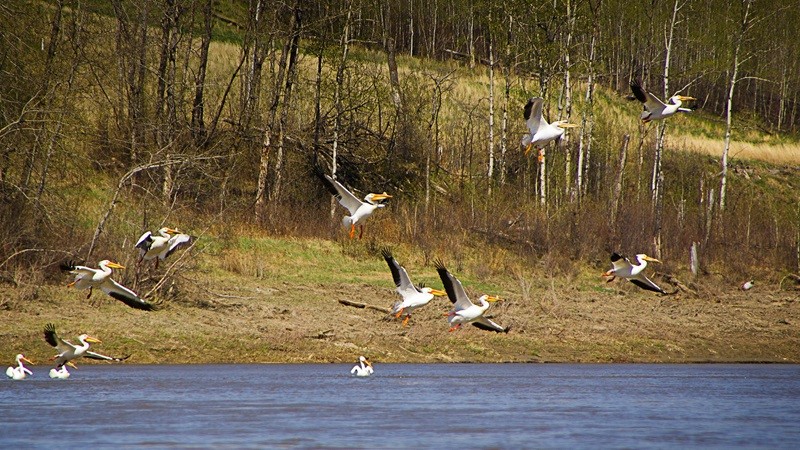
[
  {"x": 484, "y": 304},
  {"x": 84, "y": 345},
  {"x": 642, "y": 262},
  {"x": 19, "y": 363},
  {"x": 105, "y": 269},
  {"x": 676, "y": 101}
]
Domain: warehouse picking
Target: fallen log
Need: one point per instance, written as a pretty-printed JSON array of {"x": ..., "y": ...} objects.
[{"x": 364, "y": 305}]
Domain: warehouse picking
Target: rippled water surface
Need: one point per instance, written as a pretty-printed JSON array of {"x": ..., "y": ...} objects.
[{"x": 406, "y": 405}]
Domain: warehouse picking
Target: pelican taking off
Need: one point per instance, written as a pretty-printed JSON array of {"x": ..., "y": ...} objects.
[
  {"x": 363, "y": 368},
  {"x": 623, "y": 268},
  {"x": 68, "y": 351},
  {"x": 539, "y": 131},
  {"x": 413, "y": 297},
  {"x": 159, "y": 247},
  {"x": 655, "y": 109},
  {"x": 19, "y": 372},
  {"x": 464, "y": 311},
  {"x": 87, "y": 277},
  {"x": 359, "y": 211}
]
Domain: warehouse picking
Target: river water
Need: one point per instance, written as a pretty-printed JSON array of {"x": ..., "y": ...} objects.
[{"x": 406, "y": 406}]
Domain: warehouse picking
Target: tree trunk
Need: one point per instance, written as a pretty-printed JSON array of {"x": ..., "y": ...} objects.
[
  {"x": 729, "y": 103},
  {"x": 198, "y": 104},
  {"x": 291, "y": 76},
  {"x": 490, "y": 171},
  {"x": 623, "y": 154},
  {"x": 337, "y": 95}
]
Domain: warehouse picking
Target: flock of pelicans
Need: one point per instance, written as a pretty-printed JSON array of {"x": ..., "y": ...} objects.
[{"x": 168, "y": 240}]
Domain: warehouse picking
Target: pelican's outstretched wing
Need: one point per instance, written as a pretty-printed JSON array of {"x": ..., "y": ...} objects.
[
  {"x": 126, "y": 295},
  {"x": 345, "y": 197},
  {"x": 92, "y": 355},
  {"x": 646, "y": 283},
  {"x": 620, "y": 262},
  {"x": 145, "y": 241},
  {"x": 485, "y": 324},
  {"x": 533, "y": 115},
  {"x": 455, "y": 291},
  {"x": 650, "y": 101},
  {"x": 178, "y": 241},
  {"x": 51, "y": 337},
  {"x": 399, "y": 274}
]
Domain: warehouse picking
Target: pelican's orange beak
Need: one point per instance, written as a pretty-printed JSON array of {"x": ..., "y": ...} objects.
[
  {"x": 94, "y": 340},
  {"x": 438, "y": 293},
  {"x": 114, "y": 265}
]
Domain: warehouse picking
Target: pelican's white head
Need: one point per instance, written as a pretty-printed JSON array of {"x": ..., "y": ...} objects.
[
  {"x": 20, "y": 358},
  {"x": 376, "y": 199},
  {"x": 364, "y": 360},
  {"x": 167, "y": 231},
  {"x": 642, "y": 258},
  {"x": 678, "y": 99},
  {"x": 108, "y": 263},
  {"x": 87, "y": 338},
  {"x": 435, "y": 292}
]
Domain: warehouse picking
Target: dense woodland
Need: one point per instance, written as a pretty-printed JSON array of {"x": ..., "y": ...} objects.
[{"x": 119, "y": 115}]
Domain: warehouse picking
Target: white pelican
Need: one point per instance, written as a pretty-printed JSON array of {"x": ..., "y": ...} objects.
[
  {"x": 655, "y": 109},
  {"x": 413, "y": 297},
  {"x": 363, "y": 368},
  {"x": 359, "y": 211},
  {"x": 623, "y": 268},
  {"x": 539, "y": 131},
  {"x": 62, "y": 373},
  {"x": 86, "y": 277},
  {"x": 464, "y": 311},
  {"x": 19, "y": 372},
  {"x": 748, "y": 285},
  {"x": 159, "y": 247},
  {"x": 68, "y": 351}
]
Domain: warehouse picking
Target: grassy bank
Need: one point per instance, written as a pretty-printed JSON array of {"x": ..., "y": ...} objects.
[{"x": 267, "y": 299}]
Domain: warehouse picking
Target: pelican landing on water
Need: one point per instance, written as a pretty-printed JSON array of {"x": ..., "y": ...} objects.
[
  {"x": 654, "y": 108},
  {"x": 68, "y": 351}
]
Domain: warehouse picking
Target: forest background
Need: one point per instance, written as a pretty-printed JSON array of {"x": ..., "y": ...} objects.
[{"x": 118, "y": 117}]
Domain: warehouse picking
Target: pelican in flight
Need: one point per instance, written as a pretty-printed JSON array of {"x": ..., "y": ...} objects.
[
  {"x": 359, "y": 211},
  {"x": 464, "y": 311},
  {"x": 86, "y": 277},
  {"x": 413, "y": 297},
  {"x": 363, "y": 368},
  {"x": 68, "y": 351},
  {"x": 623, "y": 268},
  {"x": 19, "y": 372},
  {"x": 159, "y": 247},
  {"x": 62, "y": 373},
  {"x": 539, "y": 131},
  {"x": 655, "y": 109}
]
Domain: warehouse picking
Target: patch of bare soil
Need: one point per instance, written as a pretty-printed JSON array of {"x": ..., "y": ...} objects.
[{"x": 261, "y": 322}]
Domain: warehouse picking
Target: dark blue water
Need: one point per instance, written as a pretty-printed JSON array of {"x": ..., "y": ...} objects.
[{"x": 406, "y": 405}]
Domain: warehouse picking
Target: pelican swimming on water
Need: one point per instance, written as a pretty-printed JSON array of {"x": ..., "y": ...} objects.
[
  {"x": 540, "y": 133},
  {"x": 654, "y": 108},
  {"x": 62, "y": 373},
  {"x": 68, "y": 351},
  {"x": 359, "y": 211},
  {"x": 19, "y": 372},
  {"x": 363, "y": 368},
  {"x": 161, "y": 246},
  {"x": 87, "y": 277},
  {"x": 413, "y": 297},
  {"x": 464, "y": 311},
  {"x": 623, "y": 268}
]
